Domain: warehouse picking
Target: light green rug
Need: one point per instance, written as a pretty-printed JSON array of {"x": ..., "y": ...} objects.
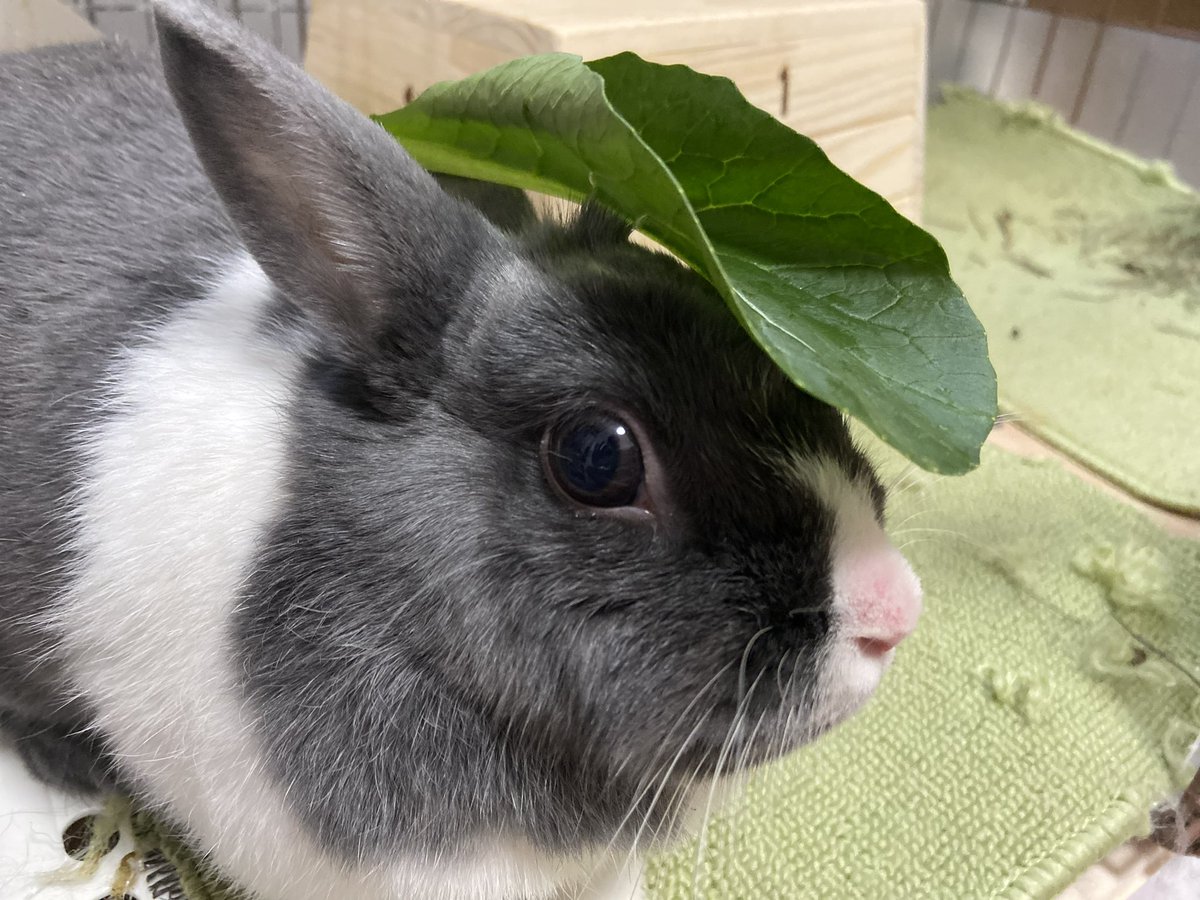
[
  {"x": 1022, "y": 733},
  {"x": 1084, "y": 266}
]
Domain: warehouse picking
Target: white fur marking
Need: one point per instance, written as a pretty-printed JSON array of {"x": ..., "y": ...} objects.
[
  {"x": 858, "y": 540},
  {"x": 860, "y": 551},
  {"x": 183, "y": 478}
]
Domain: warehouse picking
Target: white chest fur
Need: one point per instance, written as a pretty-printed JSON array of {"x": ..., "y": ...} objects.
[{"x": 183, "y": 477}]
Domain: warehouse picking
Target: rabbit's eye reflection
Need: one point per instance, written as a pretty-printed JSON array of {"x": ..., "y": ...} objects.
[{"x": 594, "y": 458}]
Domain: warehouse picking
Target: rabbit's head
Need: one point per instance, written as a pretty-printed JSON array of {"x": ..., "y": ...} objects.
[{"x": 559, "y": 541}]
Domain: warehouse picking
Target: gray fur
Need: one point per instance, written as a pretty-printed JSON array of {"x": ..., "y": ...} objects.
[
  {"x": 435, "y": 645},
  {"x": 108, "y": 225}
]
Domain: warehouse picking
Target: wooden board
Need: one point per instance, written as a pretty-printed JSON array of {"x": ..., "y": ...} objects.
[
  {"x": 25, "y": 24},
  {"x": 848, "y": 73},
  {"x": 1171, "y": 16}
]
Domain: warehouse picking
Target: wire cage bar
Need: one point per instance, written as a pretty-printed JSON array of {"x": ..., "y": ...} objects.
[
  {"x": 1126, "y": 71},
  {"x": 283, "y": 22}
]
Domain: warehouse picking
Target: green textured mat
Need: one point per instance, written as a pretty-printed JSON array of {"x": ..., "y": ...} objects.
[
  {"x": 1022, "y": 732},
  {"x": 1084, "y": 266}
]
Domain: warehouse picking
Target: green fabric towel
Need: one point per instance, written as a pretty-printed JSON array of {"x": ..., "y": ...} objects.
[
  {"x": 1046, "y": 702},
  {"x": 1084, "y": 266}
]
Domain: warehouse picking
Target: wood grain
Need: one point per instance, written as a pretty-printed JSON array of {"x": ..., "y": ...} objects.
[
  {"x": 1012, "y": 437},
  {"x": 1180, "y": 17},
  {"x": 25, "y": 24},
  {"x": 848, "y": 73}
]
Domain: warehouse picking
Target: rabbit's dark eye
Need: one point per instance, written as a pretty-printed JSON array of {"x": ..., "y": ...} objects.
[{"x": 594, "y": 459}]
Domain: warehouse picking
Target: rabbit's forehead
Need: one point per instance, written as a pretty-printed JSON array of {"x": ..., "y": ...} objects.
[
  {"x": 644, "y": 331},
  {"x": 654, "y": 341}
]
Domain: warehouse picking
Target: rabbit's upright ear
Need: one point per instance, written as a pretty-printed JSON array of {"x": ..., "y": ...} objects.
[{"x": 335, "y": 212}]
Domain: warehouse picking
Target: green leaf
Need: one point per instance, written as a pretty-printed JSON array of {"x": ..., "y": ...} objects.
[{"x": 847, "y": 296}]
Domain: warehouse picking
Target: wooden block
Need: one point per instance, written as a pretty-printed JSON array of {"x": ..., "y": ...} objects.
[
  {"x": 883, "y": 155},
  {"x": 1181, "y": 17},
  {"x": 848, "y": 73},
  {"x": 25, "y": 24}
]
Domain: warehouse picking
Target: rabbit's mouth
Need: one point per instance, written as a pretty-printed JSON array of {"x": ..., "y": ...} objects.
[
  {"x": 740, "y": 740},
  {"x": 770, "y": 721}
]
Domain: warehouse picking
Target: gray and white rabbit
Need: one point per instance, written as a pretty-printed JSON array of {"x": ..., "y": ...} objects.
[{"x": 390, "y": 549}]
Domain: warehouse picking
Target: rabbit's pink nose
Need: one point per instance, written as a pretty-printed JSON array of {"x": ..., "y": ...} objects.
[
  {"x": 879, "y": 646},
  {"x": 880, "y": 598}
]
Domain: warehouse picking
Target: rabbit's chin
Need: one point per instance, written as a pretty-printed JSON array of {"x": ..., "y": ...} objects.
[
  {"x": 742, "y": 740},
  {"x": 851, "y": 679}
]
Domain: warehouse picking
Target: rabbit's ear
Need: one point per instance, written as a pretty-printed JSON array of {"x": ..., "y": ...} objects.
[
  {"x": 509, "y": 209},
  {"x": 335, "y": 212}
]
